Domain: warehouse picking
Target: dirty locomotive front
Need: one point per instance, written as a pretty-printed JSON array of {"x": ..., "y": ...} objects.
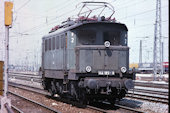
[{"x": 87, "y": 60}]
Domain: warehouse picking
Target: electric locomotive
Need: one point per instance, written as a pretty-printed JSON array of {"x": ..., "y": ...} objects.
[{"x": 87, "y": 59}]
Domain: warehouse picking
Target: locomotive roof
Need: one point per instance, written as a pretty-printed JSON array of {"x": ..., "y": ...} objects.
[{"x": 76, "y": 25}]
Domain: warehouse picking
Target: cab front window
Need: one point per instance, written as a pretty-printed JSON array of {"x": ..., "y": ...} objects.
[
  {"x": 97, "y": 34},
  {"x": 88, "y": 37}
]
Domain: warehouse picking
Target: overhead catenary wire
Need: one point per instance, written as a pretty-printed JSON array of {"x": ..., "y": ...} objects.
[
  {"x": 37, "y": 27},
  {"x": 141, "y": 13},
  {"x": 54, "y": 19},
  {"x": 60, "y": 15},
  {"x": 50, "y": 20},
  {"x": 17, "y": 10},
  {"x": 62, "y": 6},
  {"x": 40, "y": 26},
  {"x": 70, "y": 11}
]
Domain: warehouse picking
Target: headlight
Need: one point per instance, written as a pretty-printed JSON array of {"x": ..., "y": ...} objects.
[
  {"x": 107, "y": 44},
  {"x": 123, "y": 69},
  {"x": 88, "y": 68}
]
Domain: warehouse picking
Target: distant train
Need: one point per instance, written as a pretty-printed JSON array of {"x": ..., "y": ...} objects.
[
  {"x": 166, "y": 67},
  {"x": 87, "y": 59},
  {"x": 147, "y": 67}
]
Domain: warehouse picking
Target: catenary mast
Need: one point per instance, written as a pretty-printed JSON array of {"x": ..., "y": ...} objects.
[{"x": 157, "y": 56}]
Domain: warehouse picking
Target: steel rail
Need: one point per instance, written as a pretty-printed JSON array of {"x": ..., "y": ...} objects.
[
  {"x": 24, "y": 72},
  {"x": 27, "y": 77},
  {"x": 151, "y": 91},
  {"x": 146, "y": 95},
  {"x": 153, "y": 85},
  {"x": 97, "y": 109},
  {"x": 17, "y": 109},
  {"x": 24, "y": 75},
  {"x": 128, "y": 108},
  {"x": 115, "y": 105},
  {"x": 32, "y": 101},
  {"x": 146, "y": 98},
  {"x": 29, "y": 88}
]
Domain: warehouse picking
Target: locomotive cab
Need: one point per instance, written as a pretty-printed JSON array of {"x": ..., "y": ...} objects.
[{"x": 91, "y": 49}]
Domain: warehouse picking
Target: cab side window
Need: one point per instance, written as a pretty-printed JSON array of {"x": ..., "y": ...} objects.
[
  {"x": 53, "y": 43},
  {"x": 62, "y": 41},
  {"x": 46, "y": 45},
  {"x": 57, "y": 42},
  {"x": 49, "y": 43}
]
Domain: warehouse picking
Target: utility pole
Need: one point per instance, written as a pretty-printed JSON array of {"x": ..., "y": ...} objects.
[
  {"x": 162, "y": 68},
  {"x": 6, "y": 59},
  {"x": 140, "y": 49},
  {"x": 8, "y": 23},
  {"x": 157, "y": 56},
  {"x": 140, "y": 53},
  {"x": 5, "y": 102}
]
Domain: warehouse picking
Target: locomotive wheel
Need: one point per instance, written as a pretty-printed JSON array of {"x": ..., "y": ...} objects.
[
  {"x": 84, "y": 101},
  {"x": 51, "y": 92},
  {"x": 44, "y": 84},
  {"x": 83, "y": 98},
  {"x": 112, "y": 101}
]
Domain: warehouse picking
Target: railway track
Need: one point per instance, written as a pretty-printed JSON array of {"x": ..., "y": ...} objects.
[
  {"x": 153, "y": 85},
  {"x": 150, "y": 91},
  {"x": 154, "y": 92},
  {"x": 103, "y": 110},
  {"x": 24, "y": 72},
  {"x": 142, "y": 96},
  {"x": 116, "y": 106},
  {"x": 38, "y": 78},
  {"x": 16, "y": 109},
  {"x": 41, "y": 91},
  {"x": 164, "y": 93},
  {"x": 129, "y": 108},
  {"x": 27, "y": 77},
  {"x": 25, "y": 103}
]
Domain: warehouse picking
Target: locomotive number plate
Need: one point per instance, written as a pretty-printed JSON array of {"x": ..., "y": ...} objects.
[{"x": 106, "y": 73}]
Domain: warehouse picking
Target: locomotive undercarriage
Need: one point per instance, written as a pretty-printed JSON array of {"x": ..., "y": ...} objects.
[{"x": 89, "y": 89}]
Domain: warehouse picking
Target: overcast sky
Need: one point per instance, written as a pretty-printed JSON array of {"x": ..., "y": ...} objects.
[{"x": 34, "y": 18}]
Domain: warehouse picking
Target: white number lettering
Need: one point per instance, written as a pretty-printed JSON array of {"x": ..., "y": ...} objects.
[{"x": 72, "y": 40}]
